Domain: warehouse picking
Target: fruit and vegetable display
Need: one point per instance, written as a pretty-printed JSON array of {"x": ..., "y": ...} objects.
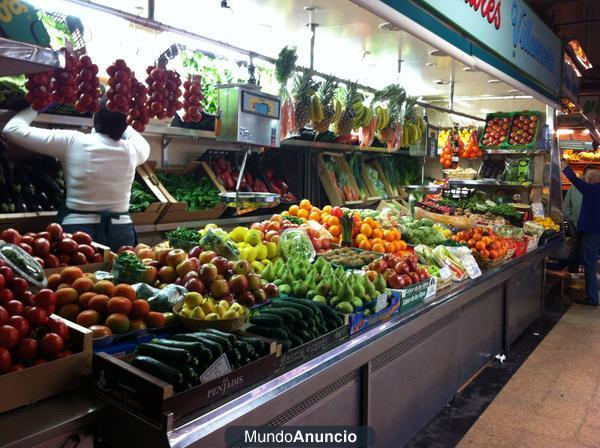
[
  {"x": 421, "y": 231},
  {"x": 228, "y": 176},
  {"x": 182, "y": 358},
  {"x": 198, "y": 192},
  {"x": 294, "y": 321},
  {"x": 140, "y": 198},
  {"x": 472, "y": 205},
  {"x": 192, "y": 99},
  {"x": 547, "y": 222},
  {"x": 483, "y": 242},
  {"x": 340, "y": 180},
  {"x": 163, "y": 91},
  {"x": 53, "y": 247},
  {"x": 581, "y": 156},
  {"x": 195, "y": 306},
  {"x": 496, "y": 130},
  {"x": 397, "y": 271},
  {"x": 492, "y": 168},
  {"x": 259, "y": 245},
  {"x": 349, "y": 258}
]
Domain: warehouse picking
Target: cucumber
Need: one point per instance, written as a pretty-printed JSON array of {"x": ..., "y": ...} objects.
[
  {"x": 267, "y": 320},
  {"x": 331, "y": 325},
  {"x": 326, "y": 310},
  {"x": 225, "y": 343},
  {"x": 308, "y": 303},
  {"x": 234, "y": 355},
  {"x": 286, "y": 344},
  {"x": 245, "y": 349},
  {"x": 288, "y": 310},
  {"x": 268, "y": 332},
  {"x": 304, "y": 335},
  {"x": 287, "y": 317},
  {"x": 197, "y": 349},
  {"x": 232, "y": 338},
  {"x": 163, "y": 353},
  {"x": 188, "y": 372},
  {"x": 297, "y": 341},
  {"x": 215, "y": 348},
  {"x": 300, "y": 324},
  {"x": 258, "y": 344},
  {"x": 285, "y": 303},
  {"x": 158, "y": 369}
]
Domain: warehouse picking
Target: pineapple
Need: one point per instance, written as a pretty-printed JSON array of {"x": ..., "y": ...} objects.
[
  {"x": 344, "y": 124},
  {"x": 326, "y": 95},
  {"x": 304, "y": 88}
]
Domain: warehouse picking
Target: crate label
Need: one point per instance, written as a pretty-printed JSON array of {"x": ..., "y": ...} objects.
[
  {"x": 381, "y": 302},
  {"x": 431, "y": 288},
  {"x": 314, "y": 346},
  {"x": 359, "y": 321},
  {"x": 216, "y": 370}
]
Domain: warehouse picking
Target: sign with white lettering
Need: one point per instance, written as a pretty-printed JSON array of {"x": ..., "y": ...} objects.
[{"x": 511, "y": 30}]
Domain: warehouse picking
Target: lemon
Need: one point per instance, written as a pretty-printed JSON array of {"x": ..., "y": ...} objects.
[
  {"x": 248, "y": 254},
  {"x": 238, "y": 234}
]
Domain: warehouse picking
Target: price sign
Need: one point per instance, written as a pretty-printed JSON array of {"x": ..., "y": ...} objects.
[
  {"x": 216, "y": 370},
  {"x": 19, "y": 21}
]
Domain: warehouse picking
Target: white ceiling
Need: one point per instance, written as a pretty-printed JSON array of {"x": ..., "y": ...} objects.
[{"x": 349, "y": 43}]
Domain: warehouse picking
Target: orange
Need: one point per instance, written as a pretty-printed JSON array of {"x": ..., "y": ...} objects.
[
  {"x": 302, "y": 213},
  {"x": 369, "y": 220},
  {"x": 377, "y": 233},
  {"x": 277, "y": 218},
  {"x": 390, "y": 247},
  {"x": 397, "y": 246},
  {"x": 315, "y": 209},
  {"x": 388, "y": 235},
  {"x": 335, "y": 230},
  {"x": 378, "y": 247},
  {"x": 314, "y": 216},
  {"x": 377, "y": 241},
  {"x": 124, "y": 290},
  {"x": 365, "y": 245},
  {"x": 294, "y": 210},
  {"x": 404, "y": 245},
  {"x": 333, "y": 221},
  {"x": 327, "y": 209},
  {"x": 305, "y": 204},
  {"x": 376, "y": 225},
  {"x": 360, "y": 238},
  {"x": 366, "y": 230},
  {"x": 396, "y": 234}
]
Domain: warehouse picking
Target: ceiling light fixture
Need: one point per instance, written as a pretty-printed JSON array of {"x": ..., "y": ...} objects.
[
  {"x": 470, "y": 69},
  {"x": 430, "y": 64},
  {"x": 387, "y": 26},
  {"x": 565, "y": 131},
  {"x": 438, "y": 53}
]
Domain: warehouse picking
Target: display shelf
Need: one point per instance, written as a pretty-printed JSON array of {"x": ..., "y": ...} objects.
[
  {"x": 429, "y": 188},
  {"x": 585, "y": 162},
  {"x": 18, "y": 57},
  {"x": 493, "y": 183},
  {"x": 524, "y": 152},
  {"x": 336, "y": 146}
]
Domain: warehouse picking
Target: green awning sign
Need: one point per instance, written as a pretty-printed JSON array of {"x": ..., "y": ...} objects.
[{"x": 19, "y": 21}]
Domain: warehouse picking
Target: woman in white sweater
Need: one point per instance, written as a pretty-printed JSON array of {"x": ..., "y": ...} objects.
[{"x": 99, "y": 169}]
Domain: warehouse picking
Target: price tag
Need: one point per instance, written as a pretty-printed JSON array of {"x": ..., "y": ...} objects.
[
  {"x": 445, "y": 273},
  {"x": 217, "y": 369},
  {"x": 537, "y": 210},
  {"x": 382, "y": 302}
]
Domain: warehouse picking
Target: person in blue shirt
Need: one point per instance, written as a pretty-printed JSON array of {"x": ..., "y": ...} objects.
[{"x": 589, "y": 225}]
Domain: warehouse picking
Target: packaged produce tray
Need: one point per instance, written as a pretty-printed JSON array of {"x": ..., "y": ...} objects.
[
  {"x": 359, "y": 321},
  {"x": 149, "y": 397},
  {"x": 145, "y": 175},
  {"x": 314, "y": 347},
  {"x": 29, "y": 385}
]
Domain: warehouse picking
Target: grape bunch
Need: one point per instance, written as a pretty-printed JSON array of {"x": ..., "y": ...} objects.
[
  {"x": 192, "y": 99},
  {"x": 64, "y": 81},
  {"x": 119, "y": 91},
  {"x": 139, "y": 116},
  {"x": 38, "y": 90},
  {"x": 164, "y": 92},
  {"x": 88, "y": 84}
]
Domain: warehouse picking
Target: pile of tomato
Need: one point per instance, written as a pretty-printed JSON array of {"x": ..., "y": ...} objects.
[{"x": 483, "y": 243}]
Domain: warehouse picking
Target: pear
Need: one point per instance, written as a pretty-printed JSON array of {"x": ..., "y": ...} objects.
[
  {"x": 278, "y": 267},
  {"x": 299, "y": 289},
  {"x": 267, "y": 273},
  {"x": 370, "y": 288},
  {"x": 287, "y": 277},
  {"x": 310, "y": 281},
  {"x": 197, "y": 313},
  {"x": 319, "y": 264},
  {"x": 311, "y": 294},
  {"x": 337, "y": 286},
  {"x": 357, "y": 288},
  {"x": 299, "y": 272},
  {"x": 339, "y": 272},
  {"x": 323, "y": 288},
  {"x": 345, "y": 292},
  {"x": 380, "y": 283}
]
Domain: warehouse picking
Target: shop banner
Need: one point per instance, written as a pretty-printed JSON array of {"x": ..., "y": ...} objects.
[
  {"x": 569, "y": 87},
  {"x": 509, "y": 29},
  {"x": 590, "y": 107}
]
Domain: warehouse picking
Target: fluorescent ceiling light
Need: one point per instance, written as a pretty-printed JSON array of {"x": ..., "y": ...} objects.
[
  {"x": 438, "y": 53},
  {"x": 493, "y": 81},
  {"x": 430, "y": 64},
  {"x": 565, "y": 131}
]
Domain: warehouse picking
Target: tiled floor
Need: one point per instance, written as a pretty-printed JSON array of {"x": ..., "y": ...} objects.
[{"x": 553, "y": 400}]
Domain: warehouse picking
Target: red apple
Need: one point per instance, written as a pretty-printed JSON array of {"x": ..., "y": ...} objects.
[
  {"x": 208, "y": 273},
  {"x": 219, "y": 288},
  {"x": 195, "y": 252},
  {"x": 246, "y": 298},
  {"x": 194, "y": 285},
  {"x": 176, "y": 256},
  {"x": 221, "y": 263},
  {"x": 242, "y": 267},
  {"x": 271, "y": 290},
  {"x": 253, "y": 282},
  {"x": 238, "y": 283},
  {"x": 207, "y": 256}
]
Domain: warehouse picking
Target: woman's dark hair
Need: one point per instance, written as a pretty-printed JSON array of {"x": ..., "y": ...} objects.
[{"x": 109, "y": 123}]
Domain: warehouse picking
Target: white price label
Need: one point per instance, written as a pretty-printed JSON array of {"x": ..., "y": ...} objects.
[{"x": 216, "y": 370}]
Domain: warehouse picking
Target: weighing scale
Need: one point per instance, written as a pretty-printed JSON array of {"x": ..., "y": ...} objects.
[{"x": 251, "y": 118}]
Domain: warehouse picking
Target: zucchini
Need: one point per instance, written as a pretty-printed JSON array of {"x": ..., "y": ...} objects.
[
  {"x": 285, "y": 303},
  {"x": 234, "y": 355},
  {"x": 215, "y": 348},
  {"x": 301, "y": 324},
  {"x": 287, "y": 317},
  {"x": 308, "y": 303},
  {"x": 245, "y": 349},
  {"x": 225, "y": 343},
  {"x": 197, "y": 349},
  {"x": 297, "y": 341},
  {"x": 268, "y": 332},
  {"x": 288, "y": 310},
  {"x": 326, "y": 310},
  {"x": 158, "y": 369},
  {"x": 232, "y": 338},
  {"x": 331, "y": 325},
  {"x": 267, "y": 320},
  {"x": 304, "y": 335},
  {"x": 165, "y": 354},
  {"x": 258, "y": 344}
]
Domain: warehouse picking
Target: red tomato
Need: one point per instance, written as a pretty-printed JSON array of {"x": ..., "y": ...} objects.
[
  {"x": 337, "y": 212},
  {"x": 6, "y": 295},
  {"x": 27, "y": 349},
  {"x": 36, "y": 316},
  {"x": 51, "y": 345},
  {"x": 2, "y": 281},
  {"x": 3, "y": 315},
  {"x": 21, "y": 324},
  {"x": 15, "y": 308},
  {"x": 8, "y": 274},
  {"x": 9, "y": 336},
  {"x": 5, "y": 360},
  {"x": 45, "y": 299},
  {"x": 19, "y": 286},
  {"x": 58, "y": 326}
]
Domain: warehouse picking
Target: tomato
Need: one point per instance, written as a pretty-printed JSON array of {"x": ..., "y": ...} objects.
[
  {"x": 471, "y": 243},
  {"x": 479, "y": 245},
  {"x": 19, "y": 285},
  {"x": 154, "y": 319},
  {"x": 484, "y": 254},
  {"x": 8, "y": 274},
  {"x": 5, "y": 360},
  {"x": 493, "y": 254},
  {"x": 55, "y": 231},
  {"x": 3, "y": 315},
  {"x": 21, "y": 324},
  {"x": 45, "y": 299},
  {"x": 27, "y": 349},
  {"x": 58, "y": 326},
  {"x": 36, "y": 316},
  {"x": 51, "y": 345},
  {"x": 14, "y": 308},
  {"x": 100, "y": 331},
  {"x": 11, "y": 236},
  {"x": 9, "y": 336}
]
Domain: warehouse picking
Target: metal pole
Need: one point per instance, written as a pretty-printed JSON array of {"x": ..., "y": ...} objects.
[{"x": 313, "y": 27}]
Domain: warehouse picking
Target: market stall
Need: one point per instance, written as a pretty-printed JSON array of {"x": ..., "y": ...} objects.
[{"x": 313, "y": 249}]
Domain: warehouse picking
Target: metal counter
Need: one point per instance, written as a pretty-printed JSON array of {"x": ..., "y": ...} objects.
[{"x": 394, "y": 377}]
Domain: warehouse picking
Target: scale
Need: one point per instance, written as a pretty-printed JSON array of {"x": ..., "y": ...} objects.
[{"x": 250, "y": 118}]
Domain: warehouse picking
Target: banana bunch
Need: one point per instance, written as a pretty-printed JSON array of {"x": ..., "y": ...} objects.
[
  {"x": 315, "y": 113},
  {"x": 338, "y": 108},
  {"x": 383, "y": 117},
  {"x": 362, "y": 115},
  {"x": 412, "y": 132}
]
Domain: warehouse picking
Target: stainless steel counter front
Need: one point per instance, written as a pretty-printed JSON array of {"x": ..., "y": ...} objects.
[{"x": 394, "y": 376}]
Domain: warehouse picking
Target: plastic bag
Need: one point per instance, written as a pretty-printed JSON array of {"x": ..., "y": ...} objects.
[
  {"x": 144, "y": 291},
  {"x": 295, "y": 243},
  {"x": 165, "y": 299},
  {"x": 224, "y": 247},
  {"x": 518, "y": 170}
]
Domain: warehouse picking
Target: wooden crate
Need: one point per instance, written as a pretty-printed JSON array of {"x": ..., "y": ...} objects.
[
  {"x": 332, "y": 190},
  {"x": 373, "y": 193},
  {"x": 36, "y": 383},
  {"x": 151, "y": 215},
  {"x": 386, "y": 183},
  {"x": 177, "y": 211}
]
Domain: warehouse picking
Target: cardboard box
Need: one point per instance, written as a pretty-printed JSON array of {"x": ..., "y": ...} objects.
[
  {"x": 359, "y": 321},
  {"x": 316, "y": 346},
  {"x": 36, "y": 383}
]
